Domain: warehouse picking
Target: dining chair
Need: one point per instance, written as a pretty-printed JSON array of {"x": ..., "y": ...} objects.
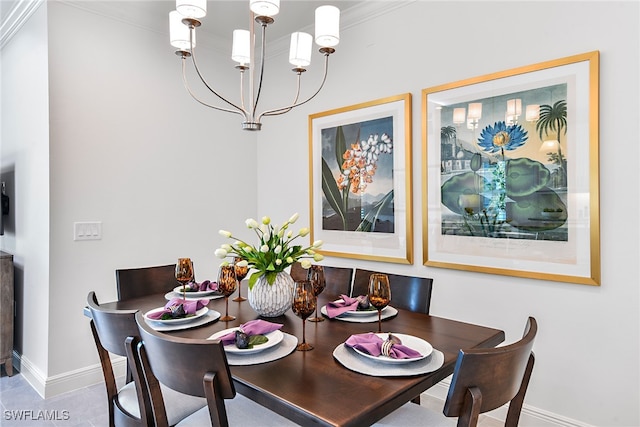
[
  {"x": 407, "y": 292},
  {"x": 338, "y": 279},
  {"x": 110, "y": 329},
  {"x": 137, "y": 282},
  {"x": 483, "y": 380},
  {"x": 196, "y": 367}
]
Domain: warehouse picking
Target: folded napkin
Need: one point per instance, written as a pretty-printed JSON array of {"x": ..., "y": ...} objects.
[
  {"x": 336, "y": 308},
  {"x": 372, "y": 344},
  {"x": 252, "y": 327},
  {"x": 207, "y": 285},
  {"x": 189, "y": 307}
]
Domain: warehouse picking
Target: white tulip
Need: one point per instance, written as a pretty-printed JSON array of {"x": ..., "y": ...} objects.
[
  {"x": 226, "y": 247},
  {"x": 264, "y": 248},
  {"x": 251, "y": 223},
  {"x": 317, "y": 244},
  {"x": 278, "y": 261},
  {"x": 266, "y": 220},
  {"x": 289, "y": 260},
  {"x": 303, "y": 232},
  {"x": 293, "y": 218},
  {"x": 221, "y": 253},
  {"x": 277, "y": 250},
  {"x": 243, "y": 263},
  {"x": 318, "y": 257},
  {"x": 305, "y": 263},
  {"x": 225, "y": 233}
]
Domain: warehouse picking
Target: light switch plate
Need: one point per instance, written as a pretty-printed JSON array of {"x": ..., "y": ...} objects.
[{"x": 91, "y": 230}]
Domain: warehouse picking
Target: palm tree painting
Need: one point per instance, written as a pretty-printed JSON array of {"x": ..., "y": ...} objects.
[
  {"x": 507, "y": 187},
  {"x": 553, "y": 120}
]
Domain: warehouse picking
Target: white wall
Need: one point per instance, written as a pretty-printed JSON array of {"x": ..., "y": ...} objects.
[
  {"x": 121, "y": 143},
  {"x": 25, "y": 168},
  {"x": 588, "y": 344},
  {"x": 111, "y": 154}
]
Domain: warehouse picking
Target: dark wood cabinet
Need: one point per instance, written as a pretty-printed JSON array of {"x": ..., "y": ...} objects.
[{"x": 6, "y": 311}]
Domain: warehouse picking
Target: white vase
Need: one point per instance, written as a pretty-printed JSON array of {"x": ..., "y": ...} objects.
[{"x": 272, "y": 300}]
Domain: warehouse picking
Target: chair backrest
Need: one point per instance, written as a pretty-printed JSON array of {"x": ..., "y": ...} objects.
[
  {"x": 407, "y": 292},
  {"x": 137, "y": 282},
  {"x": 338, "y": 279},
  {"x": 485, "y": 379},
  {"x": 197, "y": 367},
  {"x": 110, "y": 329}
]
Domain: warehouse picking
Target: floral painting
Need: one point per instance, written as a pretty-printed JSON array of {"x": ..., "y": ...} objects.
[
  {"x": 504, "y": 173},
  {"x": 510, "y": 172},
  {"x": 360, "y": 180},
  {"x": 357, "y": 176}
]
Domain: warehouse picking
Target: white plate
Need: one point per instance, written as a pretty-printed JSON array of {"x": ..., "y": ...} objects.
[
  {"x": 211, "y": 316},
  {"x": 274, "y": 339},
  {"x": 358, "y": 312},
  {"x": 198, "y": 314},
  {"x": 178, "y": 290},
  {"x": 387, "y": 313},
  {"x": 415, "y": 343},
  {"x": 171, "y": 295}
]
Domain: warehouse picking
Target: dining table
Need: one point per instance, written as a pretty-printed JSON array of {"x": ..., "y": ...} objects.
[{"x": 314, "y": 387}]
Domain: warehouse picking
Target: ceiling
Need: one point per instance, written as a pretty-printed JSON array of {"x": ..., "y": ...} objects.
[{"x": 222, "y": 16}]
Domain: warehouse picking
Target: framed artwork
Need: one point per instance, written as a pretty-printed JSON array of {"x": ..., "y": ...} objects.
[
  {"x": 510, "y": 172},
  {"x": 360, "y": 180}
]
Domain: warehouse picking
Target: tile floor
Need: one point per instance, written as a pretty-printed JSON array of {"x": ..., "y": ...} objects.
[{"x": 21, "y": 406}]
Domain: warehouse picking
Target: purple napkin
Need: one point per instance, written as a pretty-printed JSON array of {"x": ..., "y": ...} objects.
[
  {"x": 336, "y": 308},
  {"x": 252, "y": 327},
  {"x": 190, "y": 307},
  {"x": 371, "y": 344}
]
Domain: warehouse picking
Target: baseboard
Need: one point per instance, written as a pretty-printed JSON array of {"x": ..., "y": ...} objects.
[
  {"x": 530, "y": 416},
  {"x": 58, "y": 384}
]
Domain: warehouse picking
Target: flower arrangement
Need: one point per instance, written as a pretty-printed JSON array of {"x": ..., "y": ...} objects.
[{"x": 275, "y": 251}]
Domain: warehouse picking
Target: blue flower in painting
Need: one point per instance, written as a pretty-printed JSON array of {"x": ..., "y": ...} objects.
[{"x": 500, "y": 137}]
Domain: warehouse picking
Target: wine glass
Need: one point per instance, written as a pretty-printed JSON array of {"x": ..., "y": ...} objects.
[
  {"x": 315, "y": 274},
  {"x": 379, "y": 294},
  {"x": 241, "y": 273},
  {"x": 184, "y": 274},
  {"x": 304, "y": 303},
  {"x": 227, "y": 284}
]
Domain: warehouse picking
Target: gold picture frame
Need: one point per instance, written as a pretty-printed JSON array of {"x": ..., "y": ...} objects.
[
  {"x": 360, "y": 181},
  {"x": 510, "y": 172}
]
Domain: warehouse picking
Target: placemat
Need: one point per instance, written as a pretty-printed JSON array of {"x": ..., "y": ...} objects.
[
  {"x": 211, "y": 316},
  {"x": 387, "y": 313},
  {"x": 286, "y": 347},
  {"x": 354, "y": 362}
]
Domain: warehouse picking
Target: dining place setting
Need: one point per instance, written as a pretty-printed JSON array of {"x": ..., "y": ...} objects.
[{"x": 187, "y": 303}]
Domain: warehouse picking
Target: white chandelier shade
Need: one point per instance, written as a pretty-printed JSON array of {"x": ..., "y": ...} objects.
[{"x": 186, "y": 18}]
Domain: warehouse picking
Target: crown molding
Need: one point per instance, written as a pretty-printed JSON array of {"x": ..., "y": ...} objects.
[{"x": 15, "y": 19}]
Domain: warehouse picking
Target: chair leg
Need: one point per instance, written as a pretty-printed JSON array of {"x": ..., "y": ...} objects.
[
  {"x": 515, "y": 407},
  {"x": 470, "y": 408},
  {"x": 416, "y": 400}
]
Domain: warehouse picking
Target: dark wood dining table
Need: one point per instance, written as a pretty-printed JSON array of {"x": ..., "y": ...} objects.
[{"x": 311, "y": 387}]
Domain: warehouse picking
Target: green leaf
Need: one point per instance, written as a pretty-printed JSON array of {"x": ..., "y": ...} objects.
[
  {"x": 341, "y": 146},
  {"x": 254, "y": 278},
  {"x": 331, "y": 191},
  {"x": 257, "y": 340},
  {"x": 368, "y": 223},
  {"x": 271, "y": 276}
]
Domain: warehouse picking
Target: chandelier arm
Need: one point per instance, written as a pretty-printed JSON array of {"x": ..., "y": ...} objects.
[
  {"x": 283, "y": 110},
  {"x": 262, "y": 55},
  {"x": 195, "y": 66},
  {"x": 193, "y": 95}
]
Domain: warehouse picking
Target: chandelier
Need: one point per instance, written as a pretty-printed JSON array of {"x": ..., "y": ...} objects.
[{"x": 186, "y": 18}]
